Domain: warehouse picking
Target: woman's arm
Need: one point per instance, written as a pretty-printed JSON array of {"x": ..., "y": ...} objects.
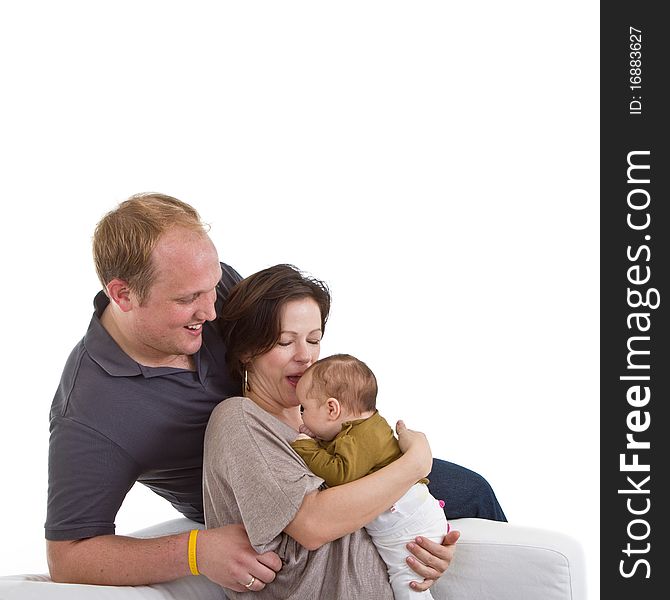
[{"x": 327, "y": 515}]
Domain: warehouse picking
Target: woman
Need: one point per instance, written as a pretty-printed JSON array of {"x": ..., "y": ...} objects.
[{"x": 273, "y": 322}]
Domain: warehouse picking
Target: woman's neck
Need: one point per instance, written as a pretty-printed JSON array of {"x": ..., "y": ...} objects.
[{"x": 289, "y": 416}]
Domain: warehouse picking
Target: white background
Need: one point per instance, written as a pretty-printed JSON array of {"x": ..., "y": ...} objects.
[{"x": 435, "y": 162}]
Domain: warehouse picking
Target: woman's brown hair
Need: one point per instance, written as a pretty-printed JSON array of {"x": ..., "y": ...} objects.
[{"x": 250, "y": 318}]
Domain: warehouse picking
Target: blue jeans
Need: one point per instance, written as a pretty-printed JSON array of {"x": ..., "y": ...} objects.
[{"x": 465, "y": 493}]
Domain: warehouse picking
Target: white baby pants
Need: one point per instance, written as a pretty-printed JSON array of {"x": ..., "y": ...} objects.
[{"x": 416, "y": 513}]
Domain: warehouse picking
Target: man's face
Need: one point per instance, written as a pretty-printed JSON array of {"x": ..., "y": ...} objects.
[{"x": 169, "y": 321}]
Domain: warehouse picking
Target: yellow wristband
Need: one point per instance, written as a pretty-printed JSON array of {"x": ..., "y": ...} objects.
[{"x": 192, "y": 562}]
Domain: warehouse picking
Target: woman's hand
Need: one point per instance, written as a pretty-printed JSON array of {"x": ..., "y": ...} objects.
[
  {"x": 430, "y": 560},
  {"x": 414, "y": 444}
]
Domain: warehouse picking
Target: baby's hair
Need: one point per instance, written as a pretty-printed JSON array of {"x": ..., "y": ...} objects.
[{"x": 346, "y": 378}]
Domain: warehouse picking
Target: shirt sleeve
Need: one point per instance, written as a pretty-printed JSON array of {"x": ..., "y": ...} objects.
[
  {"x": 89, "y": 476},
  {"x": 229, "y": 278},
  {"x": 251, "y": 473},
  {"x": 340, "y": 462}
]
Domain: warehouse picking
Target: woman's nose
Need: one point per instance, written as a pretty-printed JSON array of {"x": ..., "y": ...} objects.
[{"x": 302, "y": 353}]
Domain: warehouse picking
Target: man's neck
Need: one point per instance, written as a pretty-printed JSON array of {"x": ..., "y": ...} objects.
[{"x": 114, "y": 328}]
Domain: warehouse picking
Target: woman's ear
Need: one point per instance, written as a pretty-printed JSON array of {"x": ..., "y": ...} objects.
[
  {"x": 119, "y": 293},
  {"x": 334, "y": 409}
]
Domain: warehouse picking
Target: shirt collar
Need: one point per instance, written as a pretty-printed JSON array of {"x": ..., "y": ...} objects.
[{"x": 102, "y": 348}]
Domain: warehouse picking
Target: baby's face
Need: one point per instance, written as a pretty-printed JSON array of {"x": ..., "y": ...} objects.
[{"x": 315, "y": 412}]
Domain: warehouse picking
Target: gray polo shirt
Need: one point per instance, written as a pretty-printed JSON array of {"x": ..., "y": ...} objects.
[{"x": 114, "y": 422}]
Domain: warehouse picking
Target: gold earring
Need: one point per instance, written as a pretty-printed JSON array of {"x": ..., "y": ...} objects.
[{"x": 245, "y": 384}]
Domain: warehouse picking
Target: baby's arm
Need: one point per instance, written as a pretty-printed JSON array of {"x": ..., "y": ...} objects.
[{"x": 343, "y": 464}]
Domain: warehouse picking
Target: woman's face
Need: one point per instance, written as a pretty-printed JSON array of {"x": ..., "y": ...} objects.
[{"x": 273, "y": 376}]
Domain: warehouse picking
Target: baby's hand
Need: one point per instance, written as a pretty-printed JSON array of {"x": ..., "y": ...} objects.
[
  {"x": 303, "y": 429},
  {"x": 302, "y": 436}
]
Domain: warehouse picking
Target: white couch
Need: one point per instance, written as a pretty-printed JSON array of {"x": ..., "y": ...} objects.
[{"x": 493, "y": 561}]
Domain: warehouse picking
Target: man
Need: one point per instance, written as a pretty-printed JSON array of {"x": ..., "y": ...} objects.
[{"x": 133, "y": 403}]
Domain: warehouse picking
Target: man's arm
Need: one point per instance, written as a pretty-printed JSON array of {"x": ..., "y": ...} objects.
[
  {"x": 83, "y": 501},
  {"x": 224, "y": 555}
]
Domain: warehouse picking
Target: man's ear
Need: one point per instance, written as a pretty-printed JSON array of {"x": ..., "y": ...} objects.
[
  {"x": 334, "y": 408},
  {"x": 118, "y": 292}
]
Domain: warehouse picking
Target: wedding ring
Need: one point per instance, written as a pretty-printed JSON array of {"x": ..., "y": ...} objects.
[{"x": 248, "y": 585}]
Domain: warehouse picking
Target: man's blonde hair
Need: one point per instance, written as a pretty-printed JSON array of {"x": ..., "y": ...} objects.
[
  {"x": 126, "y": 236},
  {"x": 346, "y": 378}
]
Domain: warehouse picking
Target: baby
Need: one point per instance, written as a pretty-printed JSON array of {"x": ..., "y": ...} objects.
[{"x": 344, "y": 438}]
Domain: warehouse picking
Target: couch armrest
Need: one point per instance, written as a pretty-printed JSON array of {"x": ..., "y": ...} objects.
[{"x": 500, "y": 561}]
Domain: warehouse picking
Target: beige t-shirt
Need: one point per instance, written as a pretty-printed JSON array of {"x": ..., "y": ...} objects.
[{"x": 251, "y": 475}]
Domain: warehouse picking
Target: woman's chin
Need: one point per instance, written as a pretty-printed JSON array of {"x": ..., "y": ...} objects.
[{"x": 289, "y": 399}]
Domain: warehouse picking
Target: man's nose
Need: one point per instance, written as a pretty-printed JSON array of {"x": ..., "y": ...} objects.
[{"x": 206, "y": 310}]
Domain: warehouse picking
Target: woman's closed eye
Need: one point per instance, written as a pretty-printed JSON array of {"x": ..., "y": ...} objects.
[{"x": 284, "y": 343}]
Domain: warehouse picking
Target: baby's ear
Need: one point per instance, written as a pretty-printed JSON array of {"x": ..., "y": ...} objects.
[{"x": 334, "y": 408}]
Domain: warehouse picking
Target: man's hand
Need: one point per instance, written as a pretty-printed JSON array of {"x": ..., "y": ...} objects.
[
  {"x": 431, "y": 559},
  {"x": 226, "y": 556}
]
